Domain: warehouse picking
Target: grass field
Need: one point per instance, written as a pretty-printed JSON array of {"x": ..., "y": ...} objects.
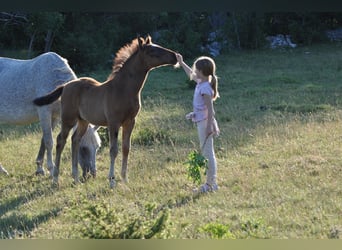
[{"x": 279, "y": 160}]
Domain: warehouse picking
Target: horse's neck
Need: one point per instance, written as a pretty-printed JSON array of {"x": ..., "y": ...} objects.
[{"x": 133, "y": 75}]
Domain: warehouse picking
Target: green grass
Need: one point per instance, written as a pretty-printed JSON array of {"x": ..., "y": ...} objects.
[{"x": 279, "y": 159}]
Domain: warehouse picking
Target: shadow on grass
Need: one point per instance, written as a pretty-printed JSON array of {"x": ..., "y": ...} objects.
[
  {"x": 14, "y": 203},
  {"x": 181, "y": 201},
  {"x": 20, "y": 225},
  {"x": 17, "y": 224}
]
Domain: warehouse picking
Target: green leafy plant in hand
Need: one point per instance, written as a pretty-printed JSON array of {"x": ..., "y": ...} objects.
[{"x": 196, "y": 164}]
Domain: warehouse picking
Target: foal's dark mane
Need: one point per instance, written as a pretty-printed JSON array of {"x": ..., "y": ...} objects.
[{"x": 123, "y": 55}]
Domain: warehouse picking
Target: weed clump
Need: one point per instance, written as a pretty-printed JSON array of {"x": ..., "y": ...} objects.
[
  {"x": 251, "y": 228},
  {"x": 100, "y": 221},
  {"x": 196, "y": 164}
]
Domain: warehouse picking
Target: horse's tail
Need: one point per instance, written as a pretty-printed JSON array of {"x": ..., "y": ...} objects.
[{"x": 49, "y": 98}]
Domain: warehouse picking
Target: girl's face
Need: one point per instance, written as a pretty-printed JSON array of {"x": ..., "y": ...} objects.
[{"x": 200, "y": 75}]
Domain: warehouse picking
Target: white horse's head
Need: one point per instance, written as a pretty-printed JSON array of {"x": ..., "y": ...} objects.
[{"x": 89, "y": 145}]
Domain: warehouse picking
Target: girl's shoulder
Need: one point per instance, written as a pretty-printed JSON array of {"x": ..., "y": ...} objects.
[{"x": 205, "y": 88}]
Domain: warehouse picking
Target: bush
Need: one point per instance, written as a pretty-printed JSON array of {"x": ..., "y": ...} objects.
[
  {"x": 246, "y": 229},
  {"x": 217, "y": 231},
  {"x": 84, "y": 52},
  {"x": 100, "y": 221}
]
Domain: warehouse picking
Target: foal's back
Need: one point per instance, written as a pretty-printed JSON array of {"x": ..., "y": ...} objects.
[{"x": 85, "y": 98}]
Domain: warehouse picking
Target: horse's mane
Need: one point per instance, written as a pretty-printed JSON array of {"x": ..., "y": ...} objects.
[{"x": 124, "y": 54}]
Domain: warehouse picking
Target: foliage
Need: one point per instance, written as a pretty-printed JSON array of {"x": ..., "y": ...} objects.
[
  {"x": 253, "y": 228},
  {"x": 217, "y": 231},
  {"x": 103, "y": 133},
  {"x": 196, "y": 164},
  {"x": 305, "y": 28},
  {"x": 246, "y": 229},
  {"x": 245, "y": 30},
  {"x": 90, "y": 39},
  {"x": 101, "y": 221}
]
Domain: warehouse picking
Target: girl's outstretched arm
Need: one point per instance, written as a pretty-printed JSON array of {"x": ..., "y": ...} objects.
[{"x": 186, "y": 68}]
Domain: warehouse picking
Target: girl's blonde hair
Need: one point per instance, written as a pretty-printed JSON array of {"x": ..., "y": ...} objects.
[{"x": 208, "y": 68}]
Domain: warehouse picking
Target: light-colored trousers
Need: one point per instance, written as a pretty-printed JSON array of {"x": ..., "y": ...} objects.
[{"x": 207, "y": 150}]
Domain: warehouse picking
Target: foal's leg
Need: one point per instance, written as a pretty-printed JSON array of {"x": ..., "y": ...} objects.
[
  {"x": 76, "y": 138},
  {"x": 113, "y": 136},
  {"x": 126, "y": 144},
  {"x": 45, "y": 117},
  {"x": 61, "y": 140}
]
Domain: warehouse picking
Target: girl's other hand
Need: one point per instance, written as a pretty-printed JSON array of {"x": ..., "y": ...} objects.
[
  {"x": 190, "y": 116},
  {"x": 216, "y": 128}
]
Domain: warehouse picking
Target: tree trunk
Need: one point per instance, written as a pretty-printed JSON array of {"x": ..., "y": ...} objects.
[
  {"x": 236, "y": 30},
  {"x": 48, "y": 40},
  {"x": 33, "y": 36}
]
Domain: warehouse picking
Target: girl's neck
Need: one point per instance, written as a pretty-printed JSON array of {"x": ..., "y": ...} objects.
[{"x": 204, "y": 79}]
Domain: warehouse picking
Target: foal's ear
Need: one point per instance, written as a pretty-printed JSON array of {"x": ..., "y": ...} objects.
[
  {"x": 141, "y": 42},
  {"x": 148, "y": 39}
]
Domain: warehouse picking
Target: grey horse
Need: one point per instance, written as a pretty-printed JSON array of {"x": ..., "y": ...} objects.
[{"x": 21, "y": 81}]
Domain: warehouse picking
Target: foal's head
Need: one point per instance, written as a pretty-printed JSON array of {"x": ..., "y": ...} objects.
[{"x": 154, "y": 55}]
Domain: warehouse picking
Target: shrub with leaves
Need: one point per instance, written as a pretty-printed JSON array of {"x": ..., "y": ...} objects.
[
  {"x": 196, "y": 164},
  {"x": 217, "y": 231},
  {"x": 247, "y": 228},
  {"x": 100, "y": 221},
  {"x": 254, "y": 228}
]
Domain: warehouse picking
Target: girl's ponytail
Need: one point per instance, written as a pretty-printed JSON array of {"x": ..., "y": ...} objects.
[{"x": 214, "y": 83}]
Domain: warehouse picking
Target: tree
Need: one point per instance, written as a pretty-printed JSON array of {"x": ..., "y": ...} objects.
[
  {"x": 13, "y": 18},
  {"x": 44, "y": 25}
]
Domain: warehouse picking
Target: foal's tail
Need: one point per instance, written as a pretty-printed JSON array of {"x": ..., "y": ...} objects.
[{"x": 49, "y": 98}]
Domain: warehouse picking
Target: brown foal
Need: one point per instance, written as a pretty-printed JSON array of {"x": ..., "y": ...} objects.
[{"x": 113, "y": 103}]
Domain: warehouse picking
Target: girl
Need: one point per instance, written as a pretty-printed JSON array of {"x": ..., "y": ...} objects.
[{"x": 203, "y": 72}]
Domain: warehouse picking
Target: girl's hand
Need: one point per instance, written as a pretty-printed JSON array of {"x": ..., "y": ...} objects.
[
  {"x": 213, "y": 128},
  {"x": 216, "y": 128},
  {"x": 190, "y": 115},
  {"x": 179, "y": 58}
]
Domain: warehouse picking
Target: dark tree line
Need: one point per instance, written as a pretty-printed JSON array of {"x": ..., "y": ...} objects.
[{"x": 90, "y": 40}]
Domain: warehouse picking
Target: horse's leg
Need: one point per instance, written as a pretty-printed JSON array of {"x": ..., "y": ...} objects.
[
  {"x": 113, "y": 136},
  {"x": 45, "y": 117},
  {"x": 40, "y": 158},
  {"x": 61, "y": 140},
  {"x": 126, "y": 144},
  {"x": 76, "y": 137}
]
